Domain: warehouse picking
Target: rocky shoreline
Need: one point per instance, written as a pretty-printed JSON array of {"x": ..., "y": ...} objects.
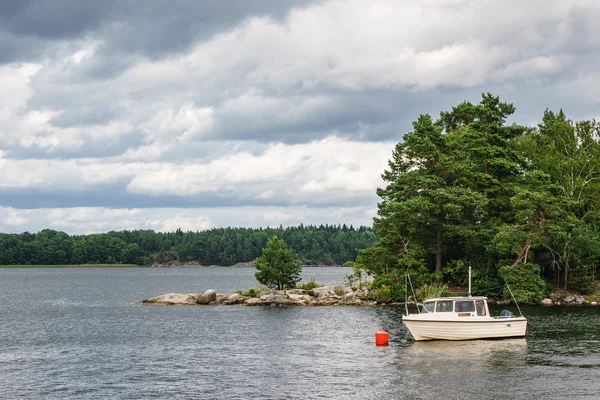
[
  {"x": 568, "y": 299},
  {"x": 321, "y": 296}
]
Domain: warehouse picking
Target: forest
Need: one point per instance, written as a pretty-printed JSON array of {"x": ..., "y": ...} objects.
[
  {"x": 312, "y": 245},
  {"x": 519, "y": 204}
]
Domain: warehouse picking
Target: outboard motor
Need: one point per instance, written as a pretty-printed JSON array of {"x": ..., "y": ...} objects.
[{"x": 506, "y": 314}]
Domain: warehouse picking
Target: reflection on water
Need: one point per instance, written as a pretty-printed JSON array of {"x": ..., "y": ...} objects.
[{"x": 441, "y": 350}]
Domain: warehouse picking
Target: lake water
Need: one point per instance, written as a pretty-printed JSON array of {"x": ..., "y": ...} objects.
[{"x": 77, "y": 333}]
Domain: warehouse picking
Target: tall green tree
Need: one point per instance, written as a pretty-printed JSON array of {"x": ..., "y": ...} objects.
[
  {"x": 276, "y": 267},
  {"x": 427, "y": 202},
  {"x": 570, "y": 154}
]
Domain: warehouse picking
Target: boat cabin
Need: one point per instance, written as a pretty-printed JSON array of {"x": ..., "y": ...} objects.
[{"x": 458, "y": 306}]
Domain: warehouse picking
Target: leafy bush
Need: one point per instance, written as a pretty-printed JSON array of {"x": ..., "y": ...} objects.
[
  {"x": 584, "y": 284},
  {"x": 309, "y": 285},
  {"x": 485, "y": 285},
  {"x": 250, "y": 293},
  {"x": 431, "y": 291},
  {"x": 525, "y": 282},
  {"x": 339, "y": 290},
  {"x": 387, "y": 287},
  {"x": 383, "y": 293}
]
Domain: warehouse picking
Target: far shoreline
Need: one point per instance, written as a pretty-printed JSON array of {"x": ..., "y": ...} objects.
[
  {"x": 72, "y": 266},
  {"x": 166, "y": 265}
]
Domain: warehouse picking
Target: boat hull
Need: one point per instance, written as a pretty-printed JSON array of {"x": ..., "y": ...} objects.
[{"x": 422, "y": 329}]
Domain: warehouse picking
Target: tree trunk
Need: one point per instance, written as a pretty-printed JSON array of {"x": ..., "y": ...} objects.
[{"x": 438, "y": 251}]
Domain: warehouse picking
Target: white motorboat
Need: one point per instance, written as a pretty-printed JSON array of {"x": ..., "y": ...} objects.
[{"x": 462, "y": 318}]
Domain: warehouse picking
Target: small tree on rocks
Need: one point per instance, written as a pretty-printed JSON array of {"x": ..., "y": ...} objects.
[{"x": 276, "y": 267}]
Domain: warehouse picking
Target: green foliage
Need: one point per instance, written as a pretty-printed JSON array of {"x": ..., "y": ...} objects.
[
  {"x": 383, "y": 293},
  {"x": 583, "y": 284},
  {"x": 468, "y": 189},
  {"x": 252, "y": 292},
  {"x": 314, "y": 245},
  {"x": 456, "y": 272},
  {"x": 387, "y": 287},
  {"x": 339, "y": 291},
  {"x": 525, "y": 282},
  {"x": 358, "y": 279},
  {"x": 309, "y": 285},
  {"x": 431, "y": 291},
  {"x": 276, "y": 267}
]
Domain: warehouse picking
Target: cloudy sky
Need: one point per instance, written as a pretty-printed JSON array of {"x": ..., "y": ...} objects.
[{"x": 138, "y": 114}]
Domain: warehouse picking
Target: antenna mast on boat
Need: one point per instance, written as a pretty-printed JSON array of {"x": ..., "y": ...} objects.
[
  {"x": 469, "y": 281},
  {"x": 406, "y": 292}
]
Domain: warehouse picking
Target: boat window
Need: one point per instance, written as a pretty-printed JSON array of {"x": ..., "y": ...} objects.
[
  {"x": 480, "y": 307},
  {"x": 443, "y": 306},
  {"x": 428, "y": 307},
  {"x": 465, "y": 306}
]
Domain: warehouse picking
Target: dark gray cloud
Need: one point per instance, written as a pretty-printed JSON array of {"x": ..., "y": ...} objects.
[
  {"x": 150, "y": 28},
  {"x": 116, "y": 196}
]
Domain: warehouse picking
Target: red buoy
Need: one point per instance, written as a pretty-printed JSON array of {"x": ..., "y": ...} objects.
[{"x": 381, "y": 338}]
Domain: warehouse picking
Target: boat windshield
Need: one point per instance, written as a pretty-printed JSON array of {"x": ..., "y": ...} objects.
[
  {"x": 464, "y": 306},
  {"x": 444, "y": 306},
  {"x": 428, "y": 307}
]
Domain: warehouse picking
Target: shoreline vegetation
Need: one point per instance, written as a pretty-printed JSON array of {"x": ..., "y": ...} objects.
[{"x": 74, "y": 266}]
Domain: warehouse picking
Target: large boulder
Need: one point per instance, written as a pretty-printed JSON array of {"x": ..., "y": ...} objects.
[
  {"x": 172, "y": 299},
  {"x": 300, "y": 297},
  {"x": 546, "y": 302},
  {"x": 575, "y": 299},
  {"x": 207, "y": 297},
  {"x": 234, "y": 298},
  {"x": 251, "y": 301}
]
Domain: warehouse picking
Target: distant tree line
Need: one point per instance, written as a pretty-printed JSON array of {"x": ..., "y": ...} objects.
[{"x": 325, "y": 244}]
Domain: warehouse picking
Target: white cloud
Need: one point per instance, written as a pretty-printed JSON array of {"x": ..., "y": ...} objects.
[
  {"x": 186, "y": 122},
  {"x": 297, "y": 172},
  {"x": 14, "y": 84}
]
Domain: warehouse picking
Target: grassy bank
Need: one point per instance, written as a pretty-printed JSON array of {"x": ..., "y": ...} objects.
[{"x": 73, "y": 266}]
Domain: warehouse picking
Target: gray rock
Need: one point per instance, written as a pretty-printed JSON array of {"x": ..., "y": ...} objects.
[
  {"x": 296, "y": 291},
  {"x": 221, "y": 297},
  {"x": 172, "y": 299},
  {"x": 206, "y": 297},
  {"x": 276, "y": 299},
  {"x": 569, "y": 299},
  {"x": 252, "y": 301},
  {"x": 324, "y": 291},
  {"x": 235, "y": 298},
  {"x": 546, "y": 302}
]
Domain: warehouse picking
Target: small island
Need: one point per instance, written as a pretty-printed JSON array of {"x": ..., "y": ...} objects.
[{"x": 319, "y": 296}]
